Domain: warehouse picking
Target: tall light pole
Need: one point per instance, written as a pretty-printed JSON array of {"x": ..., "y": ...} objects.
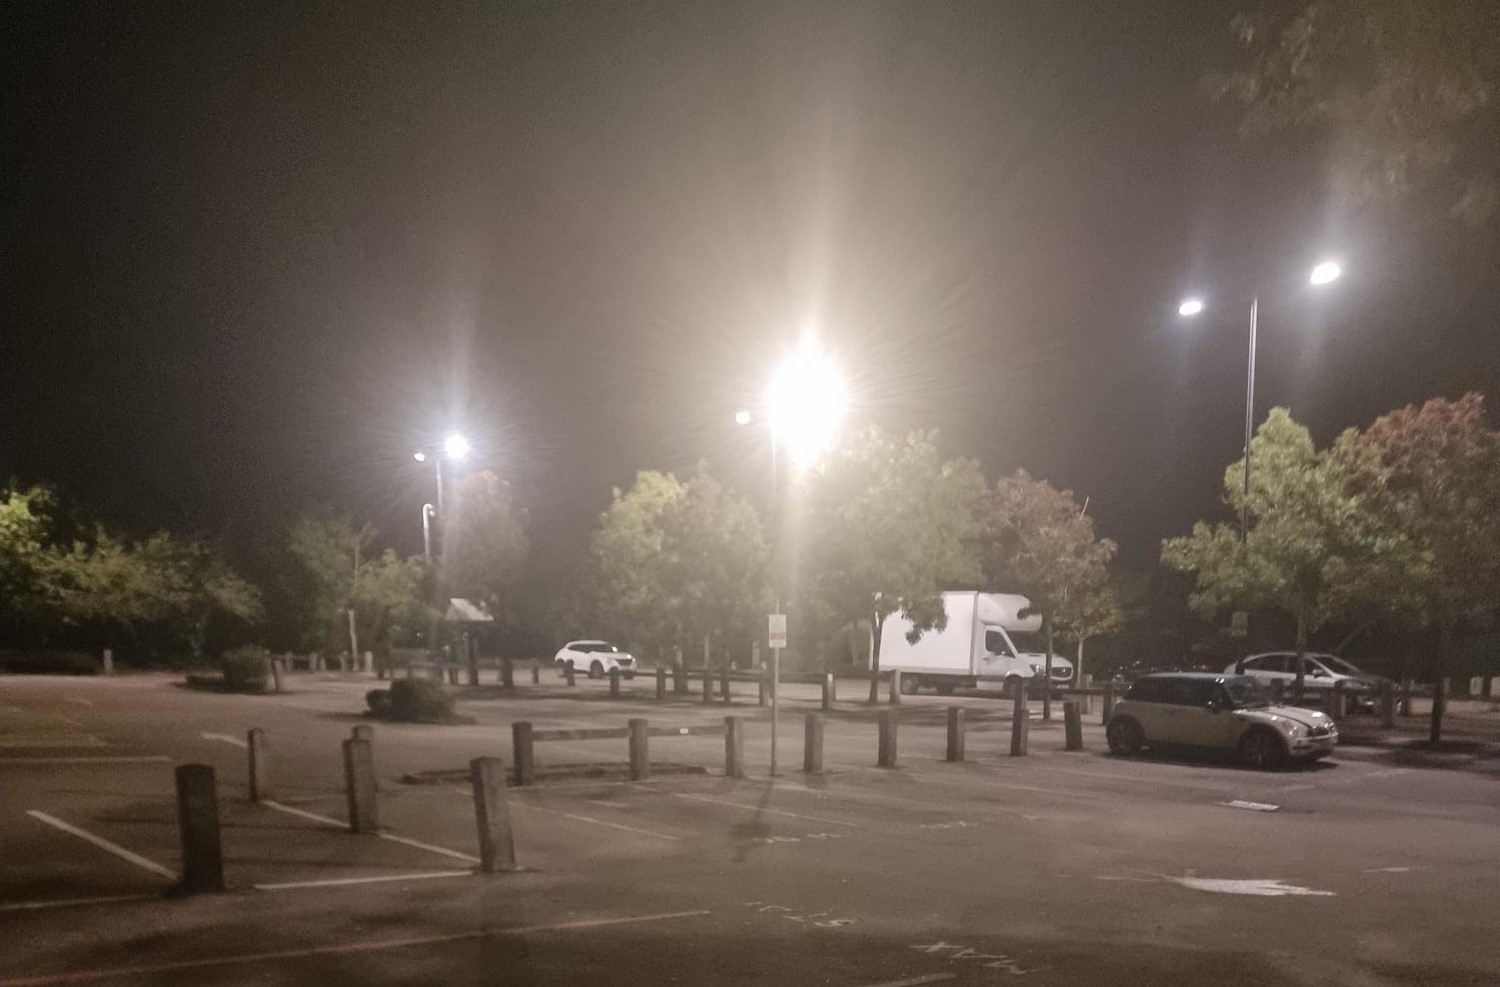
[
  {"x": 1325, "y": 273},
  {"x": 804, "y": 406},
  {"x": 455, "y": 448}
]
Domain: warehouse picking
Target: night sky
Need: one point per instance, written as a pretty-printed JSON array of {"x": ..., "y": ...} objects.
[{"x": 254, "y": 254}]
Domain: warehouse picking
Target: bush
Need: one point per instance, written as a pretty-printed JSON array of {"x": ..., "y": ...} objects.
[
  {"x": 246, "y": 669},
  {"x": 48, "y": 663},
  {"x": 420, "y": 701}
]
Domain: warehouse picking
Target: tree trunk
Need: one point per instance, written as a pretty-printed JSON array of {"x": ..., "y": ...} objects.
[
  {"x": 1078, "y": 665},
  {"x": 1301, "y": 656},
  {"x": 1439, "y": 693},
  {"x": 705, "y": 651},
  {"x": 1047, "y": 668},
  {"x": 875, "y": 657}
]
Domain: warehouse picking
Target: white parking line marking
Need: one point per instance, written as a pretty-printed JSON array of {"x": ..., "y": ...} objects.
[
  {"x": 769, "y": 812},
  {"x": 78, "y": 702},
  {"x": 226, "y": 738},
  {"x": 978, "y": 779},
  {"x": 106, "y": 759},
  {"x": 85, "y": 976},
  {"x": 104, "y": 844},
  {"x": 27, "y": 906},
  {"x": 43, "y": 741},
  {"x": 392, "y": 837},
  {"x": 598, "y": 822},
  {"x": 336, "y": 882},
  {"x": 931, "y": 978}
]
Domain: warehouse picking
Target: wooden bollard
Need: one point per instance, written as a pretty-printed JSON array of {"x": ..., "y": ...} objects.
[
  {"x": 1020, "y": 721},
  {"x": 708, "y": 687},
  {"x": 569, "y": 674},
  {"x": 614, "y": 682},
  {"x": 764, "y": 685},
  {"x": 640, "y": 755},
  {"x": 259, "y": 754},
  {"x": 1108, "y": 703},
  {"x": 1387, "y": 705},
  {"x": 278, "y": 675},
  {"x": 724, "y": 683},
  {"x": 1406, "y": 697},
  {"x": 661, "y": 683},
  {"x": 827, "y": 690},
  {"x": 1439, "y": 707},
  {"x": 523, "y": 752},
  {"x": 363, "y": 731},
  {"x": 955, "y": 733},
  {"x": 1336, "y": 707},
  {"x": 734, "y": 747},
  {"x": 507, "y": 674},
  {"x": 359, "y": 786},
  {"x": 107, "y": 659},
  {"x": 198, "y": 825},
  {"x": 536, "y": 674},
  {"x": 895, "y": 687},
  {"x": 1072, "y": 725},
  {"x": 679, "y": 682},
  {"x": 812, "y": 745},
  {"x": 497, "y": 843},
  {"x": 887, "y": 750},
  {"x": 453, "y": 675}
]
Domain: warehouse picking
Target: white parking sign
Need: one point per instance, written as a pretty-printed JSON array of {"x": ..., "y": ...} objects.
[{"x": 778, "y": 630}]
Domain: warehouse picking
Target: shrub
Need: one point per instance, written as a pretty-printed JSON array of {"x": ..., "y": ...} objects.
[
  {"x": 420, "y": 701},
  {"x": 48, "y": 663},
  {"x": 246, "y": 669}
]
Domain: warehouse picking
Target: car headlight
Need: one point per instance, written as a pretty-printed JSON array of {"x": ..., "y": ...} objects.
[{"x": 1290, "y": 727}]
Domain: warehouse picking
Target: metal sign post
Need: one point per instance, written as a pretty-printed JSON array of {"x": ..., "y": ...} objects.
[{"x": 778, "y": 641}]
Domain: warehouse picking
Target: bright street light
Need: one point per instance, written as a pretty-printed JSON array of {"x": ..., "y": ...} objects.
[
  {"x": 806, "y": 403},
  {"x": 456, "y": 446},
  {"x": 742, "y": 417},
  {"x": 1326, "y": 272},
  {"x": 1191, "y": 306},
  {"x": 419, "y": 456}
]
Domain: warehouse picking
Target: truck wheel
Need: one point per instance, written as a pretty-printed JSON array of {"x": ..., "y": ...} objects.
[{"x": 909, "y": 685}]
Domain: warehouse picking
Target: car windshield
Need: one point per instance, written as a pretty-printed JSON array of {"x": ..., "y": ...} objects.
[
  {"x": 1029, "y": 642},
  {"x": 1245, "y": 692}
]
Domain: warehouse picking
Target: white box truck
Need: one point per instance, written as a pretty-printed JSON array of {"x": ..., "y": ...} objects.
[{"x": 985, "y": 636}]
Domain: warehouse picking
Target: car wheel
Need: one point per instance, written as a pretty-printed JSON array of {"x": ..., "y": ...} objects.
[
  {"x": 1125, "y": 736},
  {"x": 909, "y": 685},
  {"x": 596, "y": 670},
  {"x": 1261, "y": 749}
]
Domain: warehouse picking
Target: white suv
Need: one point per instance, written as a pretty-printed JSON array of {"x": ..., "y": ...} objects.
[
  {"x": 596, "y": 658},
  {"x": 1217, "y": 712}
]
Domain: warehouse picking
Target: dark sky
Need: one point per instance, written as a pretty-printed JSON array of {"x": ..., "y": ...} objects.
[{"x": 255, "y": 253}]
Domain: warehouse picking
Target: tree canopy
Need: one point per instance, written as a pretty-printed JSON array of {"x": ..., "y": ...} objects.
[{"x": 484, "y": 545}]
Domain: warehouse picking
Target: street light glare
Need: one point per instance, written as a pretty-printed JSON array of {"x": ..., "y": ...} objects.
[
  {"x": 419, "y": 456},
  {"x": 456, "y": 446},
  {"x": 1326, "y": 272},
  {"x": 1191, "y": 306},
  {"x": 742, "y": 417},
  {"x": 806, "y": 403}
]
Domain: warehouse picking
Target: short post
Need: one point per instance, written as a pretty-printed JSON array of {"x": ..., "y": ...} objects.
[
  {"x": 278, "y": 675},
  {"x": 363, "y": 731},
  {"x": 1406, "y": 697},
  {"x": 1020, "y": 721},
  {"x": 1337, "y": 702},
  {"x": 1439, "y": 707},
  {"x": 497, "y": 844},
  {"x": 661, "y": 683},
  {"x": 260, "y": 764},
  {"x": 887, "y": 751},
  {"x": 764, "y": 685},
  {"x": 568, "y": 673},
  {"x": 198, "y": 824},
  {"x": 507, "y": 674},
  {"x": 1108, "y": 704},
  {"x": 640, "y": 756},
  {"x": 708, "y": 687},
  {"x": 536, "y": 674},
  {"x": 471, "y": 655},
  {"x": 453, "y": 675},
  {"x": 827, "y": 690},
  {"x": 1073, "y": 725},
  {"x": 108, "y": 658},
  {"x": 359, "y": 786},
  {"x": 955, "y": 733},
  {"x": 812, "y": 747},
  {"x": 895, "y": 687},
  {"x": 614, "y": 682},
  {"x": 734, "y": 747},
  {"x": 523, "y": 752},
  {"x": 1387, "y": 705},
  {"x": 679, "y": 683},
  {"x": 724, "y": 683}
]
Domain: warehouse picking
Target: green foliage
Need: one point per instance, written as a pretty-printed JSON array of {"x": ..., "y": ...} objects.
[
  {"x": 389, "y": 599},
  {"x": 246, "y": 669},
  {"x": 329, "y": 549},
  {"x": 890, "y": 525},
  {"x": 45, "y": 662},
  {"x": 635, "y": 601},
  {"x": 26, "y": 584},
  {"x": 484, "y": 545},
  {"x": 1403, "y": 90},
  {"x": 418, "y": 701}
]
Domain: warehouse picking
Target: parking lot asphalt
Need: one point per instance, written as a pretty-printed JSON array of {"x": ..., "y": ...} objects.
[{"x": 1056, "y": 868}]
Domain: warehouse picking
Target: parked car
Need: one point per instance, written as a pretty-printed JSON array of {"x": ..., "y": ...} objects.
[
  {"x": 1217, "y": 712},
  {"x": 1320, "y": 674},
  {"x": 596, "y": 658}
]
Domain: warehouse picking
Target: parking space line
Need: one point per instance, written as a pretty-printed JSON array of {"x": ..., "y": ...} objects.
[
  {"x": 45, "y": 741},
  {"x": 226, "y": 738},
  {"x": 85, "y": 976},
  {"x": 104, "y": 844},
  {"x": 597, "y": 822},
  {"x": 28, "y": 906},
  {"x": 104, "y": 759},
  {"x": 769, "y": 812},
  {"x": 980, "y": 779},
  {"x": 78, "y": 702},
  {"x": 335, "y": 882},
  {"x": 392, "y": 837},
  {"x": 931, "y": 978}
]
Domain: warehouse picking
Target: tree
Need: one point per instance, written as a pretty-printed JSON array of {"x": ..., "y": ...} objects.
[
  {"x": 1099, "y": 610},
  {"x": 484, "y": 545},
  {"x": 1434, "y": 474},
  {"x": 635, "y": 587},
  {"x": 1404, "y": 90},
  {"x": 1310, "y": 551},
  {"x": 27, "y": 590},
  {"x": 891, "y": 525},
  {"x": 388, "y": 598},
  {"x": 329, "y": 549},
  {"x": 1037, "y": 541},
  {"x": 714, "y": 558}
]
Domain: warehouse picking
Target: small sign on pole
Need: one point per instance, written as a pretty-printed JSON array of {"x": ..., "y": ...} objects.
[
  {"x": 1239, "y": 623},
  {"x": 778, "y": 630}
]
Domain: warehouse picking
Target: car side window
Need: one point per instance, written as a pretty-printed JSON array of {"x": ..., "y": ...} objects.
[
  {"x": 1146, "y": 691},
  {"x": 1180, "y": 692}
]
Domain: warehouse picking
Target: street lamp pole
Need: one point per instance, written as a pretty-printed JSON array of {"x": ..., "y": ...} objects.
[{"x": 1249, "y": 418}]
